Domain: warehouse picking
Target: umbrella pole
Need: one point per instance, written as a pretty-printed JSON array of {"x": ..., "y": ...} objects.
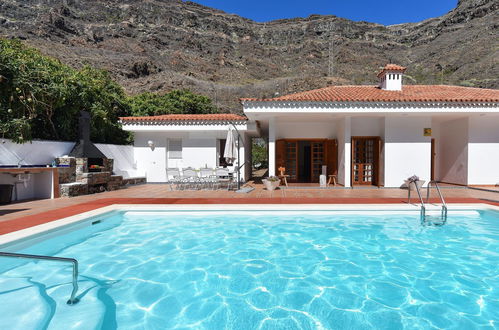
[
  {"x": 238, "y": 163},
  {"x": 238, "y": 157}
]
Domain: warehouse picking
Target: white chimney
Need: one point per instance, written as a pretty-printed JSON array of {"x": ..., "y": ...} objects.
[{"x": 390, "y": 77}]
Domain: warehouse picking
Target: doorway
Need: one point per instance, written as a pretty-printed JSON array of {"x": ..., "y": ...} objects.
[
  {"x": 303, "y": 158},
  {"x": 304, "y": 161},
  {"x": 365, "y": 160}
]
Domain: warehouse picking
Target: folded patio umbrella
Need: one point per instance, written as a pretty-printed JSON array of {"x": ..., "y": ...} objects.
[{"x": 230, "y": 153}]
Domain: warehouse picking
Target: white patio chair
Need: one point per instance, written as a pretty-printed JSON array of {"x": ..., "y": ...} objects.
[
  {"x": 190, "y": 178},
  {"x": 223, "y": 176},
  {"x": 207, "y": 177},
  {"x": 173, "y": 178}
]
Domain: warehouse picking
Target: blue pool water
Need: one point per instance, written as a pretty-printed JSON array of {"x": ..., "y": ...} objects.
[{"x": 237, "y": 270}]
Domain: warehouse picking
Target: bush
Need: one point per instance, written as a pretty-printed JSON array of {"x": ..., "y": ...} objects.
[
  {"x": 174, "y": 102},
  {"x": 42, "y": 98}
]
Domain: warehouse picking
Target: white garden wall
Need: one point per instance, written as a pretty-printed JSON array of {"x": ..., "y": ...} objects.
[
  {"x": 406, "y": 150},
  {"x": 40, "y": 152},
  {"x": 32, "y": 153},
  {"x": 123, "y": 157}
]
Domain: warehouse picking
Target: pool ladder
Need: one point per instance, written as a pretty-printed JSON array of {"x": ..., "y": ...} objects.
[
  {"x": 423, "y": 215},
  {"x": 73, "y": 299}
]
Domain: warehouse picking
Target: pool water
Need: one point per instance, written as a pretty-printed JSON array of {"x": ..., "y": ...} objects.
[{"x": 268, "y": 270}]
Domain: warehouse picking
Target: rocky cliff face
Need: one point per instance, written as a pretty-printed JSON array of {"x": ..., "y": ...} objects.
[{"x": 159, "y": 45}]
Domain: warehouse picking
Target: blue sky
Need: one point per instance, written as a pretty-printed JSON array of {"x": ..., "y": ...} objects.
[{"x": 378, "y": 11}]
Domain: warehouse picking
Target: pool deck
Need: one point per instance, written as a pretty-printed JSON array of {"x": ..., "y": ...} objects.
[{"x": 21, "y": 215}]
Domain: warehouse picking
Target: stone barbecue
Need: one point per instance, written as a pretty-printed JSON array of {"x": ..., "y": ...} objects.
[{"x": 86, "y": 170}]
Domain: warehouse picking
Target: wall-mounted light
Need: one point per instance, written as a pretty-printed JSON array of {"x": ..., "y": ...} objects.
[{"x": 150, "y": 143}]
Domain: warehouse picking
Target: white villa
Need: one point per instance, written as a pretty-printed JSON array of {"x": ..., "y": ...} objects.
[
  {"x": 180, "y": 141},
  {"x": 365, "y": 135}
]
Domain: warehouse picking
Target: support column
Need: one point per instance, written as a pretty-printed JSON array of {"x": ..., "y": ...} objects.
[
  {"x": 348, "y": 152},
  {"x": 271, "y": 146},
  {"x": 344, "y": 151}
]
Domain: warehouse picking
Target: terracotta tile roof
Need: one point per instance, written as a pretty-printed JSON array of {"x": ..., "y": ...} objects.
[
  {"x": 392, "y": 67},
  {"x": 190, "y": 118},
  {"x": 409, "y": 93}
]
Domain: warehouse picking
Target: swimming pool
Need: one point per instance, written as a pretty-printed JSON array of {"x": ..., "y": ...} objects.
[{"x": 233, "y": 269}]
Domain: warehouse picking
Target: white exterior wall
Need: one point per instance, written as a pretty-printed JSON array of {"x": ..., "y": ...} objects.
[
  {"x": 483, "y": 150},
  {"x": 453, "y": 151},
  {"x": 368, "y": 126},
  {"x": 305, "y": 130},
  {"x": 460, "y": 157},
  {"x": 199, "y": 149},
  {"x": 407, "y": 150},
  {"x": 38, "y": 185},
  {"x": 391, "y": 81}
]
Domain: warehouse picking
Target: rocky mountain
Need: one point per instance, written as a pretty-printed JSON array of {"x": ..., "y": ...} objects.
[{"x": 158, "y": 45}]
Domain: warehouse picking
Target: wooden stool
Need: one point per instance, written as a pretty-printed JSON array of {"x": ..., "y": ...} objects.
[
  {"x": 332, "y": 177},
  {"x": 282, "y": 176}
]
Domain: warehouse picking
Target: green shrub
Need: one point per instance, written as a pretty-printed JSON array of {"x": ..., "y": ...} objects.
[{"x": 42, "y": 98}]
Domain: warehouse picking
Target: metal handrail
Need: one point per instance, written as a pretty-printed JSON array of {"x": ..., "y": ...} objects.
[
  {"x": 435, "y": 184},
  {"x": 72, "y": 300},
  {"x": 444, "y": 205},
  {"x": 423, "y": 207}
]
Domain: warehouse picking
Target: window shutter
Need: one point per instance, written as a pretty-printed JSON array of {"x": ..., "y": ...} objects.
[{"x": 175, "y": 149}]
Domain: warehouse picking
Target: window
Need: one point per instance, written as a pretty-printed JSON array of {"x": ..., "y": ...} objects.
[{"x": 174, "y": 149}]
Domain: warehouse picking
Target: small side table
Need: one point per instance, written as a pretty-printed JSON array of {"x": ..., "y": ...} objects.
[{"x": 332, "y": 177}]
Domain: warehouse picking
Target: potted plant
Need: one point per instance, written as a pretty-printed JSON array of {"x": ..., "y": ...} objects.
[{"x": 271, "y": 183}]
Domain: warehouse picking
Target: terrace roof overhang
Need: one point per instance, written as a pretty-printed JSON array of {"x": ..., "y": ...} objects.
[
  {"x": 249, "y": 127},
  {"x": 315, "y": 111}
]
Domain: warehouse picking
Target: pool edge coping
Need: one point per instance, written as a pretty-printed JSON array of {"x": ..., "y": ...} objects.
[{"x": 74, "y": 220}]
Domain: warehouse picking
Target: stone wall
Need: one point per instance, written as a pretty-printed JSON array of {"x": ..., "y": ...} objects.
[
  {"x": 108, "y": 165},
  {"x": 66, "y": 174},
  {"x": 73, "y": 189},
  {"x": 131, "y": 181},
  {"x": 76, "y": 180},
  {"x": 81, "y": 167}
]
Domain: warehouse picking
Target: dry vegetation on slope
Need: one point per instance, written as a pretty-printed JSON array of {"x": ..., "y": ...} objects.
[{"x": 160, "y": 45}]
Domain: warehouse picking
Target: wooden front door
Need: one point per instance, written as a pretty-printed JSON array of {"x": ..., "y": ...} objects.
[
  {"x": 318, "y": 159},
  {"x": 322, "y": 152},
  {"x": 291, "y": 163},
  {"x": 365, "y": 160},
  {"x": 287, "y": 157}
]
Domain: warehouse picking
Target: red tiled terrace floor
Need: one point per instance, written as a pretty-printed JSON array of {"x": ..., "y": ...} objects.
[{"x": 22, "y": 215}]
